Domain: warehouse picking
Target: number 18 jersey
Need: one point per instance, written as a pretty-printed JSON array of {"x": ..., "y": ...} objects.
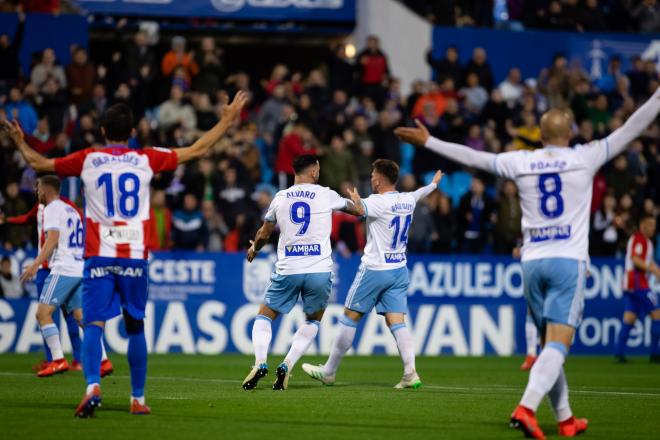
[
  {"x": 116, "y": 183},
  {"x": 304, "y": 215},
  {"x": 555, "y": 187}
]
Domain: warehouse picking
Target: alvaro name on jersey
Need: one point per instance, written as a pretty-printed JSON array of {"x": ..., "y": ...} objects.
[
  {"x": 304, "y": 215},
  {"x": 116, "y": 183}
]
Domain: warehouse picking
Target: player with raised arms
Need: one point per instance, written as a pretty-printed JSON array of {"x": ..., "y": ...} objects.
[
  {"x": 555, "y": 184},
  {"x": 304, "y": 264},
  {"x": 638, "y": 298},
  {"x": 382, "y": 280},
  {"x": 116, "y": 182}
]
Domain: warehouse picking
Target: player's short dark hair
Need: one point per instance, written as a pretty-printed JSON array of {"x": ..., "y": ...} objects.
[
  {"x": 118, "y": 122},
  {"x": 301, "y": 163},
  {"x": 50, "y": 180},
  {"x": 646, "y": 216},
  {"x": 387, "y": 168}
]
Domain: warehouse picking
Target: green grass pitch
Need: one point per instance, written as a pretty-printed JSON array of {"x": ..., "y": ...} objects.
[{"x": 200, "y": 397}]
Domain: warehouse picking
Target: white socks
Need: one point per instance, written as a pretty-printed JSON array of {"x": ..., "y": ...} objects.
[
  {"x": 262, "y": 333},
  {"x": 532, "y": 337},
  {"x": 558, "y": 396},
  {"x": 544, "y": 374},
  {"x": 341, "y": 344},
  {"x": 52, "y": 337},
  {"x": 301, "y": 342},
  {"x": 404, "y": 342}
]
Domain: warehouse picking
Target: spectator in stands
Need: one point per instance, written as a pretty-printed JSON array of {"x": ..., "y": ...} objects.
[
  {"x": 445, "y": 224},
  {"x": 433, "y": 96},
  {"x": 85, "y": 134},
  {"x": 175, "y": 112},
  {"x": 480, "y": 67},
  {"x": 422, "y": 233},
  {"x": 15, "y": 235},
  {"x": 161, "y": 222},
  {"x": 639, "y": 78},
  {"x": 338, "y": 165},
  {"x": 10, "y": 284},
  {"x": 605, "y": 229},
  {"x": 216, "y": 227},
  {"x": 9, "y": 50},
  {"x": 474, "y": 138},
  {"x": 474, "y": 95},
  {"x": 211, "y": 70},
  {"x": 341, "y": 72},
  {"x": 599, "y": 114},
  {"x": 178, "y": 58},
  {"x": 234, "y": 197},
  {"x": 474, "y": 217},
  {"x": 189, "y": 230},
  {"x": 362, "y": 147},
  {"x": 447, "y": 67},
  {"x": 511, "y": 88},
  {"x": 374, "y": 71},
  {"x": 385, "y": 141},
  {"x": 271, "y": 112},
  {"x": 647, "y": 15},
  {"x": 21, "y": 110},
  {"x": 81, "y": 75},
  {"x": 46, "y": 68},
  {"x": 139, "y": 59},
  {"x": 508, "y": 232},
  {"x": 298, "y": 142},
  {"x": 205, "y": 114},
  {"x": 621, "y": 178},
  {"x": 527, "y": 136}
]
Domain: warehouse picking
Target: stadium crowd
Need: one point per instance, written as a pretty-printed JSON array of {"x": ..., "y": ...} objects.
[{"x": 345, "y": 112}]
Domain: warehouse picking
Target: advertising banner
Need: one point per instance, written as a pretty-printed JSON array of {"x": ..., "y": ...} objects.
[{"x": 205, "y": 303}]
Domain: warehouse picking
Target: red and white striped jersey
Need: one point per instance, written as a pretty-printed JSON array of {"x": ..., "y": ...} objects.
[
  {"x": 641, "y": 247},
  {"x": 116, "y": 183}
]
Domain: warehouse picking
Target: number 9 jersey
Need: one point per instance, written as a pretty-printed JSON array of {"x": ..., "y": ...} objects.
[
  {"x": 116, "y": 183},
  {"x": 304, "y": 215},
  {"x": 555, "y": 186}
]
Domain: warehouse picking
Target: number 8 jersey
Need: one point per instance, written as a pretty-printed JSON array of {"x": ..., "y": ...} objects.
[
  {"x": 304, "y": 215},
  {"x": 116, "y": 183}
]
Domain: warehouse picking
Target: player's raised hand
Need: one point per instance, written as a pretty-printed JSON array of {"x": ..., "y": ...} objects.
[
  {"x": 252, "y": 252},
  {"x": 29, "y": 273},
  {"x": 233, "y": 110},
  {"x": 358, "y": 207},
  {"x": 438, "y": 177},
  {"x": 13, "y": 130},
  {"x": 411, "y": 135}
]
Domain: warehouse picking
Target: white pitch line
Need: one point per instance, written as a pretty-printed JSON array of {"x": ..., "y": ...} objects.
[{"x": 477, "y": 389}]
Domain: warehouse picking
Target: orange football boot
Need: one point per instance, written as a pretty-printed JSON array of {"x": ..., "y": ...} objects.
[
  {"x": 524, "y": 419},
  {"x": 138, "y": 409},
  {"x": 529, "y": 361},
  {"x": 40, "y": 366},
  {"x": 55, "y": 367},
  {"x": 106, "y": 368},
  {"x": 89, "y": 403},
  {"x": 572, "y": 427},
  {"x": 75, "y": 366}
]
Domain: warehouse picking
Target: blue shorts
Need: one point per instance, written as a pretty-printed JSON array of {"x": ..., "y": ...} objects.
[
  {"x": 640, "y": 301},
  {"x": 62, "y": 291},
  {"x": 554, "y": 288},
  {"x": 283, "y": 291},
  {"x": 385, "y": 289},
  {"x": 113, "y": 284},
  {"x": 39, "y": 279}
]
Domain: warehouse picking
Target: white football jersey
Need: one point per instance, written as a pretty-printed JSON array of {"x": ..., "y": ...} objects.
[
  {"x": 304, "y": 215},
  {"x": 389, "y": 216},
  {"x": 116, "y": 183},
  {"x": 67, "y": 258},
  {"x": 555, "y": 186}
]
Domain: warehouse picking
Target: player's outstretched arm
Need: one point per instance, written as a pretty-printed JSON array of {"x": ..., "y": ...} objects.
[
  {"x": 40, "y": 163},
  {"x": 229, "y": 114},
  {"x": 260, "y": 239},
  {"x": 459, "y": 153},
  {"x": 619, "y": 139},
  {"x": 428, "y": 189},
  {"x": 354, "y": 206},
  {"x": 52, "y": 238}
]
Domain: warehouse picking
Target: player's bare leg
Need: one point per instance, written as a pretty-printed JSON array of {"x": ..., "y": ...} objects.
[
  {"x": 547, "y": 377},
  {"x": 532, "y": 338},
  {"x": 52, "y": 337},
  {"x": 655, "y": 336},
  {"x": 262, "y": 334},
  {"x": 629, "y": 319},
  {"x": 76, "y": 365},
  {"x": 404, "y": 342},
  {"x": 92, "y": 369},
  {"x": 327, "y": 373},
  {"x": 301, "y": 342}
]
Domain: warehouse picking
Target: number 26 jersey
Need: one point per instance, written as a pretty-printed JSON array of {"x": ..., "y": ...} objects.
[
  {"x": 116, "y": 183},
  {"x": 304, "y": 215}
]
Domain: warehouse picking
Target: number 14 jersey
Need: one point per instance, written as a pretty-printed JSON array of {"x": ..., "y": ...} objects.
[
  {"x": 555, "y": 186},
  {"x": 116, "y": 183}
]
